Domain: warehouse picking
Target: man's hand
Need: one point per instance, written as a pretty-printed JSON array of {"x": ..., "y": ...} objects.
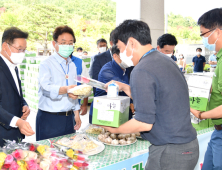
[
  {"x": 132, "y": 107},
  {"x": 195, "y": 112},
  {"x": 24, "y": 127},
  {"x": 26, "y": 112},
  {"x": 110, "y": 129},
  {"x": 77, "y": 120},
  {"x": 83, "y": 108},
  {"x": 72, "y": 96}
]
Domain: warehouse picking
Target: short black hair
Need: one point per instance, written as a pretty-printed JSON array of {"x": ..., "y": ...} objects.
[
  {"x": 101, "y": 40},
  {"x": 85, "y": 52},
  {"x": 166, "y": 39},
  {"x": 111, "y": 37},
  {"x": 199, "y": 49},
  {"x": 132, "y": 28},
  {"x": 79, "y": 49},
  {"x": 63, "y": 29},
  {"x": 211, "y": 19},
  {"x": 12, "y": 33},
  {"x": 115, "y": 50}
]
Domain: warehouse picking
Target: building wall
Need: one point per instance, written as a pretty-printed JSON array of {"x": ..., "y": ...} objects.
[{"x": 151, "y": 12}]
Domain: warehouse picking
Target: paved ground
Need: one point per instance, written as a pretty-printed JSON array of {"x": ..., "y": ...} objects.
[{"x": 32, "y": 120}]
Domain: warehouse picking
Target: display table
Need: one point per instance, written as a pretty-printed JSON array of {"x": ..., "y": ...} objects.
[{"x": 132, "y": 156}]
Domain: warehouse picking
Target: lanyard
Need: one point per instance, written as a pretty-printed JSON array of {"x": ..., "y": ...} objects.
[
  {"x": 66, "y": 74},
  {"x": 153, "y": 49}
]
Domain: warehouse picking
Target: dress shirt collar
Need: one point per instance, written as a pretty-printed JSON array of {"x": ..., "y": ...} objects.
[
  {"x": 60, "y": 59},
  {"x": 7, "y": 62}
]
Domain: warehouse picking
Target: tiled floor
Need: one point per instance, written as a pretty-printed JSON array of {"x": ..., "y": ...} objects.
[{"x": 32, "y": 120}]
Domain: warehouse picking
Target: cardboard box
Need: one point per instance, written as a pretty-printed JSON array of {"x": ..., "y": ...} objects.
[
  {"x": 109, "y": 111},
  {"x": 199, "y": 86}
]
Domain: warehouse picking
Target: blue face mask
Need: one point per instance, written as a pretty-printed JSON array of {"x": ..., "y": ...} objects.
[{"x": 211, "y": 47}]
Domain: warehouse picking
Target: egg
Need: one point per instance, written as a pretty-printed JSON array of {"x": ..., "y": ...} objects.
[
  {"x": 123, "y": 136},
  {"x": 107, "y": 133},
  {"x": 101, "y": 136},
  {"x": 127, "y": 135},
  {"x": 138, "y": 134},
  {"x": 113, "y": 136},
  {"x": 103, "y": 131},
  {"x": 128, "y": 142},
  {"x": 133, "y": 135},
  {"x": 115, "y": 142},
  {"x": 120, "y": 136},
  {"x": 108, "y": 140},
  {"x": 122, "y": 142}
]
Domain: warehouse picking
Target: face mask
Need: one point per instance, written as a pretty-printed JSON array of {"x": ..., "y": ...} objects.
[
  {"x": 169, "y": 55},
  {"x": 80, "y": 53},
  {"x": 16, "y": 58},
  {"x": 123, "y": 65},
  {"x": 65, "y": 50},
  {"x": 127, "y": 60},
  {"x": 211, "y": 47},
  {"x": 198, "y": 53},
  {"x": 102, "y": 49}
]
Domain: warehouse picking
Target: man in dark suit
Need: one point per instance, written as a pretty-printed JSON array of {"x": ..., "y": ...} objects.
[
  {"x": 101, "y": 59},
  {"x": 13, "y": 108}
]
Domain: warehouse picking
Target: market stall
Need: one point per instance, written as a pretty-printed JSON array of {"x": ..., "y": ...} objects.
[{"x": 132, "y": 156}]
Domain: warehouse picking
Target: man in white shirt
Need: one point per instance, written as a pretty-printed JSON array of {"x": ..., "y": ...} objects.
[{"x": 13, "y": 108}]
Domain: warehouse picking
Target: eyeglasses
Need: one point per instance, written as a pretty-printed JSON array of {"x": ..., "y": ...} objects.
[
  {"x": 207, "y": 32},
  {"x": 19, "y": 50},
  {"x": 64, "y": 43}
]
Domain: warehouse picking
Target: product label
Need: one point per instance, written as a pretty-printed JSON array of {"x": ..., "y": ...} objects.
[{"x": 105, "y": 115}]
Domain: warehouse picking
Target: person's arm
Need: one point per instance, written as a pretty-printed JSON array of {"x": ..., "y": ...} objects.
[
  {"x": 8, "y": 120},
  {"x": 212, "y": 62},
  {"x": 132, "y": 126},
  {"x": 212, "y": 114},
  {"x": 193, "y": 61},
  {"x": 184, "y": 64},
  {"x": 84, "y": 106},
  {"x": 145, "y": 110},
  {"x": 77, "y": 120},
  {"x": 219, "y": 75},
  {"x": 204, "y": 64},
  {"x": 49, "y": 89}
]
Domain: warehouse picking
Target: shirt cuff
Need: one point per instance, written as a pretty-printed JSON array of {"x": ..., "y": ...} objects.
[
  {"x": 13, "y": 122},
  {"x": 54, "y": 92}
]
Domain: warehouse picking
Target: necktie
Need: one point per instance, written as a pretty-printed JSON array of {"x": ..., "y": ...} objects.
[
  {"x": 17, "y": 74},
  {"x": 16, "y": 71}
]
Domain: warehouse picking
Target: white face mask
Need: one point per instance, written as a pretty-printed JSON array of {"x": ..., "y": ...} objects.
[
  {"x": 80, "y": 53},
  {"x": 102, "y": 49},
  {"x": 16, "y": 58},
  {"x": 125, "y": 59},
  {"x": 169, "y": 55},
  {"x": 198, "y": 53},
  {"x": 122, "y": 64}
]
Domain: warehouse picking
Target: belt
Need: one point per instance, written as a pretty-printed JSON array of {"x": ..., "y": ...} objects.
[
  {"x": 218, "y": 127},
  {"x": 61, "y": 113}
]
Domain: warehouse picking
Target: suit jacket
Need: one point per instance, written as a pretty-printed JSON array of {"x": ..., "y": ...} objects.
[
  {"x": 11, "y": 104},
  {"x": 99, "y": 61}
]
